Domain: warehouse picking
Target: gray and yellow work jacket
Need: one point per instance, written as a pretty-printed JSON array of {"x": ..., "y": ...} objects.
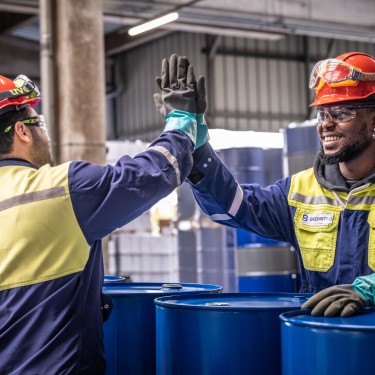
[
  {"x": 52, "y": 220},
  {"x": 331, "y": 226}
]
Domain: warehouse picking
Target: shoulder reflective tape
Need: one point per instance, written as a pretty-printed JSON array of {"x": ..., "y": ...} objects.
[
  {"x": 236, "y": 201},
  {"x": 32, "y": 197},
  {"x": 315, "y": 200},
  {"x": 172, "y": 160}
]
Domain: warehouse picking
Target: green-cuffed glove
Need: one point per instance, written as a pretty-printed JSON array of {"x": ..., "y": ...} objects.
[
  {"x": 202, "y": 128},
  {"x": 336, "y": 300},
  {"x": 177, "y": 101}
]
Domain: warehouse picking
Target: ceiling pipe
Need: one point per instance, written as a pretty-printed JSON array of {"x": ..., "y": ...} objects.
[
  {"x": 23, "y": 9},
  {"x": 48, "y": 86}
]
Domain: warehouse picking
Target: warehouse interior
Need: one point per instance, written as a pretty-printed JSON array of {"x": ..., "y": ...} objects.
[{"x": 97, "y": 84}]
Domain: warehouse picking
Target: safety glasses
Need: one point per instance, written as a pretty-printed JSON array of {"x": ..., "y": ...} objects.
[
  {"x": 335, "y": 72},
  {"x": 339, "y": 113},
  {"x": 32, "y": 121}
]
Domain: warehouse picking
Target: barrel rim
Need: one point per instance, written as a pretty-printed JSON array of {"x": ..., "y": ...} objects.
[
  {"x": 141, "y": 288},
  {"x": 171, "y": 301},
  {"x": 340, "y": 323}
]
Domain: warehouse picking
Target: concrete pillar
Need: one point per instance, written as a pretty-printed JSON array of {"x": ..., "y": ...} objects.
[
  {"x": 73, "y": 81},
  {"x": 80, "y": 79}
]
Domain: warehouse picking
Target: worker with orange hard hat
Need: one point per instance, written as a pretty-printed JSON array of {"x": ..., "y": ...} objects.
[{"x": 327, "y": 213}]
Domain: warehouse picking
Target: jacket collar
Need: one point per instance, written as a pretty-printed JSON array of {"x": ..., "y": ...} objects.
[
  {"x": 16, "y": 161},
  {"x": 330, "y": 177}
]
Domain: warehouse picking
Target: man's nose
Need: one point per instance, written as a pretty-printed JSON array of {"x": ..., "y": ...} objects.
[{"x": 328, "y": 122}]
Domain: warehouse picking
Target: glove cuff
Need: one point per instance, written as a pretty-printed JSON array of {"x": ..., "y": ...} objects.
[
  {"x": 364, "y": 286},
  {"x": 183, "y": 121},
  {"x": 202, "y": 131},
  {"x": 201, "y": 119}
]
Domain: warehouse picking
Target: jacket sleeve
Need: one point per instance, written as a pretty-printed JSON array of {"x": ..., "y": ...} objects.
[
  {"x": 107, "y": 197},
  {"x": 365, "y": 286},
  {"x": 264, "y": 211}
]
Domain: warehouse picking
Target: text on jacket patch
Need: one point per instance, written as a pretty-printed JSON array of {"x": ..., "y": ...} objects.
[{"x": 315, "y": 220}]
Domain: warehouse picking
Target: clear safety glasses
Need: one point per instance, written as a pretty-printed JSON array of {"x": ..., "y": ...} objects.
[
  {"x": 337, "y": 73},
  {"x": 339, "y": 113},
  {"x": 32, "y": 121}
]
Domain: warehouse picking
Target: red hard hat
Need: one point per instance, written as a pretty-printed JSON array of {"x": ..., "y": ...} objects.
[
  {"x": 6, "y": 84},
  {"x": 18, "y": 93},
  {"x": 330, "y": 94}
]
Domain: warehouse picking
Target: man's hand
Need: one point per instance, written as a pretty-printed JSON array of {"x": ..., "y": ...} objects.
[
  {"x": 177, "y": 101},
  {"x": 336, "y": 300}
]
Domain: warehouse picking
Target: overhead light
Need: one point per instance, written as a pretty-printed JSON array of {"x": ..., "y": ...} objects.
[
  {"x": 157, "y": 22},
  {"x": 226, "y": 31}
]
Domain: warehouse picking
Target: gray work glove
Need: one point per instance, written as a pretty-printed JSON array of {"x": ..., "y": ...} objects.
[
  {"x": 177, "y": 101},
  {"x": 336, "y": 300},
  {"x": 202, "y": 128}
]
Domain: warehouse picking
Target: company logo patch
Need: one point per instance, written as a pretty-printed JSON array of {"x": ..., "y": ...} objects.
[{"x": 317, "y": 220}]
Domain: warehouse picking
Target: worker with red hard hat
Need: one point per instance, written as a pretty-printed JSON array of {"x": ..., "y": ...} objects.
[
  {"x": 52, "y": 220},
  {"x": 345, "y": 88},
  {"x": 327, "y": 213}
]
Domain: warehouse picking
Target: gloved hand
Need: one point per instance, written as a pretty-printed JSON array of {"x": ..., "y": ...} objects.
[
  {"x": 202, "y": 128},
  {"x": 177, "y": 101},
  {"x": 336, "y": 300}
]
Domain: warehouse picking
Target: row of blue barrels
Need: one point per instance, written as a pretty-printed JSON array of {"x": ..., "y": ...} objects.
[
  {"x": 130, "y": 331},
  {"x": 165, "y": 330},
  {"x": 266, "y": 265},
  {"x": 263, "y": 166}
]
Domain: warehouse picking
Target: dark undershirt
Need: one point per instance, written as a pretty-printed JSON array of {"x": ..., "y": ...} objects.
[{"x": 351, "y": 182}]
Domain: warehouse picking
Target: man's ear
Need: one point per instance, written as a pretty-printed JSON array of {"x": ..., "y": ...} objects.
[{"x": 22, "y": 132}]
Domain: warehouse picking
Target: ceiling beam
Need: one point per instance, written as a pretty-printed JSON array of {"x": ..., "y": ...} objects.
[
  {"x": 19, "y": 8},
  {"x": 10, "y": 21}
]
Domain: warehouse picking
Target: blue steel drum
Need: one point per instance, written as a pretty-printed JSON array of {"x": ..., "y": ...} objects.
[
  {"x": 271, "y": 269},
  {"x": 327, "y": 346},
  {"x": 245, "y": 238},
  {"x": 253, "y": 164},
  {"x": 287, "y": 283},
  {"x": 221, "y": 334},
  {"x": 301, "y": 145},
  {"x": 301, "y": 139},
  {"x": 129, "y": 333}
]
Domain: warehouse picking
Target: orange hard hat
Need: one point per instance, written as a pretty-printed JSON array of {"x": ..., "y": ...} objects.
[
  {"x": 350, "y": 76},
  {"x": 18, "y": 93}
]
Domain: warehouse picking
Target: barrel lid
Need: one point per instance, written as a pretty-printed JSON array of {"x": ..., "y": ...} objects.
[
  {"x": 117, "y": 288},
  {"x": 236, "y": 301},
  {"x": 362, "y": 321}
]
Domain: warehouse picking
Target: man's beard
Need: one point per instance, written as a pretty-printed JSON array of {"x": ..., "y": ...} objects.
[
  {"x": 40, "y": 153},
  {"x": 347, "y": 152},
  {"x": 344, "y": 155}
]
